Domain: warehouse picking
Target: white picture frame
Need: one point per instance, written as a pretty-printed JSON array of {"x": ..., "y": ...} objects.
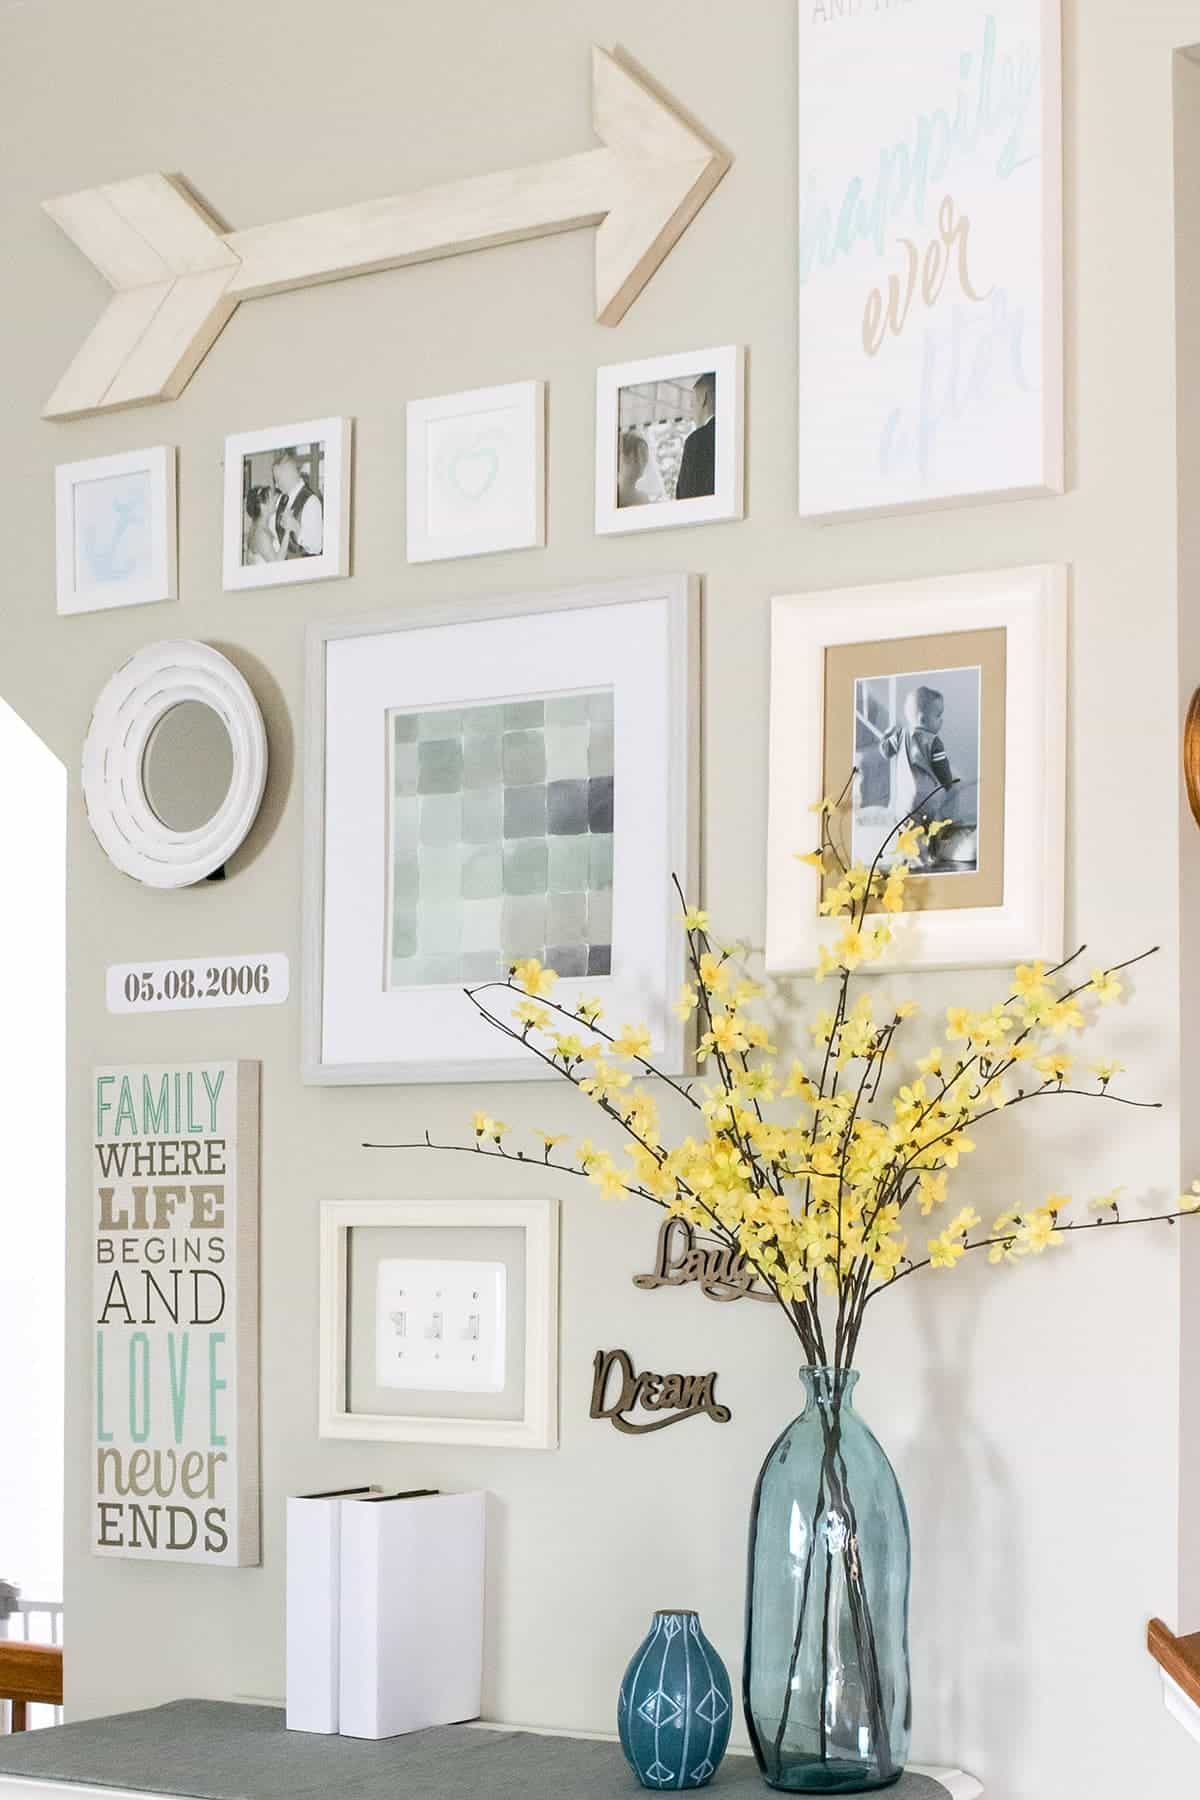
[
  {"x": 638, "y": 639},
  {"x": 1030, "y": 604},
  {"x": 132, "y": 704},
  {"x": 247, "y": 449},
  {"x": 537, "y": 1426},
  {"x": 116, "y": 531},
  {"x": 917, "y": 388},
  {"x": 681, "y": 371},
  {"x": 476, "y": 478}
]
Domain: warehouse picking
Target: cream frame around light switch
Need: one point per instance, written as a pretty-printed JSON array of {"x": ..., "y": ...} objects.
[{"x": 538, "y": 1219}]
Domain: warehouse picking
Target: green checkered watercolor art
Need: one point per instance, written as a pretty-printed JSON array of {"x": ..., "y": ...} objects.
[{"x": 502, "y": 839}]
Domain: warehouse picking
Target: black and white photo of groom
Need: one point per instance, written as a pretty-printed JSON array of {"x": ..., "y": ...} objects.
[
  {"x": 698, "y": 467},
  {"x": 299, "y": 522}
]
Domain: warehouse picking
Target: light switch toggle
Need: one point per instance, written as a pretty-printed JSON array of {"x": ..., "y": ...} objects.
[{"x": 441, "y": 1326}]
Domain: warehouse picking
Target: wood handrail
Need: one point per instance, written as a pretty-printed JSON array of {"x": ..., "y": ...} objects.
[
  {"x": 30, "y": 1674},
  {"x": 1178, "y": 1657}
]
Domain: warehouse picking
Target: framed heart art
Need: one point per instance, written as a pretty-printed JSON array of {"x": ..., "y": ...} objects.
[{"x": 476, "y": 472}]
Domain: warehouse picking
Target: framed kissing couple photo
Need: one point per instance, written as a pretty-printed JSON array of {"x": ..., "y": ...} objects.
[
  {"x": 287, "y": 504},
  {"x": 942, "y": 702},
  {"x": 488, "y": 783}
]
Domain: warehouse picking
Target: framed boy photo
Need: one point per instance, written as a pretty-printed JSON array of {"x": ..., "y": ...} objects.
[
  {"x": 939, "y": 703},
  {"x": 287, "y": 504},
  {"x": 669, "y": 441}
]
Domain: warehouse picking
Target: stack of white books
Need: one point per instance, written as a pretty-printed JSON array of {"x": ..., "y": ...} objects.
[{"x": 384, "y": 1611}]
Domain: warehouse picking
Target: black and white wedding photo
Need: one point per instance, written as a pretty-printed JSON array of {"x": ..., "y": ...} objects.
[
  {"x": 669, "y": 440},
  {"x": 916, "y": 753},
  {"x": 287, "y": 504},
  {"x": 283, "y": 503}
]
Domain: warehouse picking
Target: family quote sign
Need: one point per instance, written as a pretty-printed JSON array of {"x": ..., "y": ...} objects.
[
  {"x": 930, "y": 252},
  {"x": 175, "y": 1302}
]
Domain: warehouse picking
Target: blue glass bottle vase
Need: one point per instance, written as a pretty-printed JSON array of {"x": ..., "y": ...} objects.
[
  {"x": 675, "y": 1706},
  {"x": 826, "y": 1675}
]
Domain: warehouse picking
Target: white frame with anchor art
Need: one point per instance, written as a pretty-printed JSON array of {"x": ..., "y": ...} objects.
[{"x": 160, "y": 583}]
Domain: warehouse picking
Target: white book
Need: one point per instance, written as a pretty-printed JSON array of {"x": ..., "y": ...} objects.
[
  {"x": 314, "y": 1538},
  {"x": 411, "y": 1614}
]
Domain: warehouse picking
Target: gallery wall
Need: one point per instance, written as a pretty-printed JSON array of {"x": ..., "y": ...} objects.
[{"x": 1033, "y": 1414}]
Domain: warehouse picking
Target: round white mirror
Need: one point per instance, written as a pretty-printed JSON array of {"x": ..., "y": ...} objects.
[
  {"x": 187, "y": 766},
  {"x": 174, "y": 764}
]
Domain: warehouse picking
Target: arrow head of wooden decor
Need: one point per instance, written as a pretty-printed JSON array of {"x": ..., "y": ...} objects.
[
  {"x": 177, "y": 276},
  {"x": 667, "y": 170}
]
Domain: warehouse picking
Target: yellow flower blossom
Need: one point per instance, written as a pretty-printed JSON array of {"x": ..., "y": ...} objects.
[
  {"x": 634, "y": 1041},
  {"x": 1108, "y": 1202},
  {"x": 568, "y": 1046},
  {"x": 931, "y": 1191},
  {"x": 714, "y": 973},
  {"x": 1030, "y": 978},
  {"x": 1054, "y": 1067},
  {"x": 550, "y": 1141},
  {"x": 590, "y": 1011},
  {"x": 725, "y": 1035},
  {"x": 532, "y": 1016},
  {"x": 687, "y": 1002},
  {"x": 694, "y": 919},
  {"x": 489, "y": 1127},
  {"x": 1105, "y": 986},
  {"x": 539, "y": 983},
  {"x": 1107, "y": 1070},
  {"x": 814, "y": 858},
  {"x": 945, "y": 1252}
]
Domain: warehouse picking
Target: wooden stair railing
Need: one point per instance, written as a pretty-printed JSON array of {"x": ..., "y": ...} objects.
[
  {"x": 30, "y": 1675},
  {"x": 1178, "y": 1657}
]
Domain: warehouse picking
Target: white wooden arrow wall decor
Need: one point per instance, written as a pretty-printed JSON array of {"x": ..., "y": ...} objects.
[{"x": 177, "y": 278}]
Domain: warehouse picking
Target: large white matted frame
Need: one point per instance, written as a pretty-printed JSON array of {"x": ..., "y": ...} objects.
[{"x": 405, "y": 877}]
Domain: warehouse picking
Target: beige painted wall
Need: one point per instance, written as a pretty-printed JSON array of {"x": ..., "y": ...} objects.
[{"x": 1034, "y": 1419}]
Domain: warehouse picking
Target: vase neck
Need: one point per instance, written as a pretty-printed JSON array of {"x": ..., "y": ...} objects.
[{"x": 829, "y": 1387}]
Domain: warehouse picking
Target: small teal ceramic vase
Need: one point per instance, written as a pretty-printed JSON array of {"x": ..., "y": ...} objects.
[{"x": 675, "y": 1706}]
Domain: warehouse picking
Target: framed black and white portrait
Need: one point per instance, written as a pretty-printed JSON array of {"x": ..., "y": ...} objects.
[
  {"x": 941, "y": 703},
  {"x": 669, "y": 441},
  {"x": 287, "y": 504}
]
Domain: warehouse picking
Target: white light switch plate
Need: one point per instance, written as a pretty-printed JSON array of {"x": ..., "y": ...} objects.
[{"x": 441, "y": 1325}]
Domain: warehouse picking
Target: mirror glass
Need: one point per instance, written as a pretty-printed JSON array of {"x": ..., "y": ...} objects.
[{"x": 187, "y": 766}]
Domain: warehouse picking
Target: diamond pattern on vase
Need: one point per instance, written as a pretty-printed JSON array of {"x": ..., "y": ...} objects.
[
  {"x": 660, "y": 1776},
  {"x": 713, "y": 1707},
  {"x": 501, "y": 839},
  {"x": 659, "y": 1709},
  {"x": 703, "y": 1771}
]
